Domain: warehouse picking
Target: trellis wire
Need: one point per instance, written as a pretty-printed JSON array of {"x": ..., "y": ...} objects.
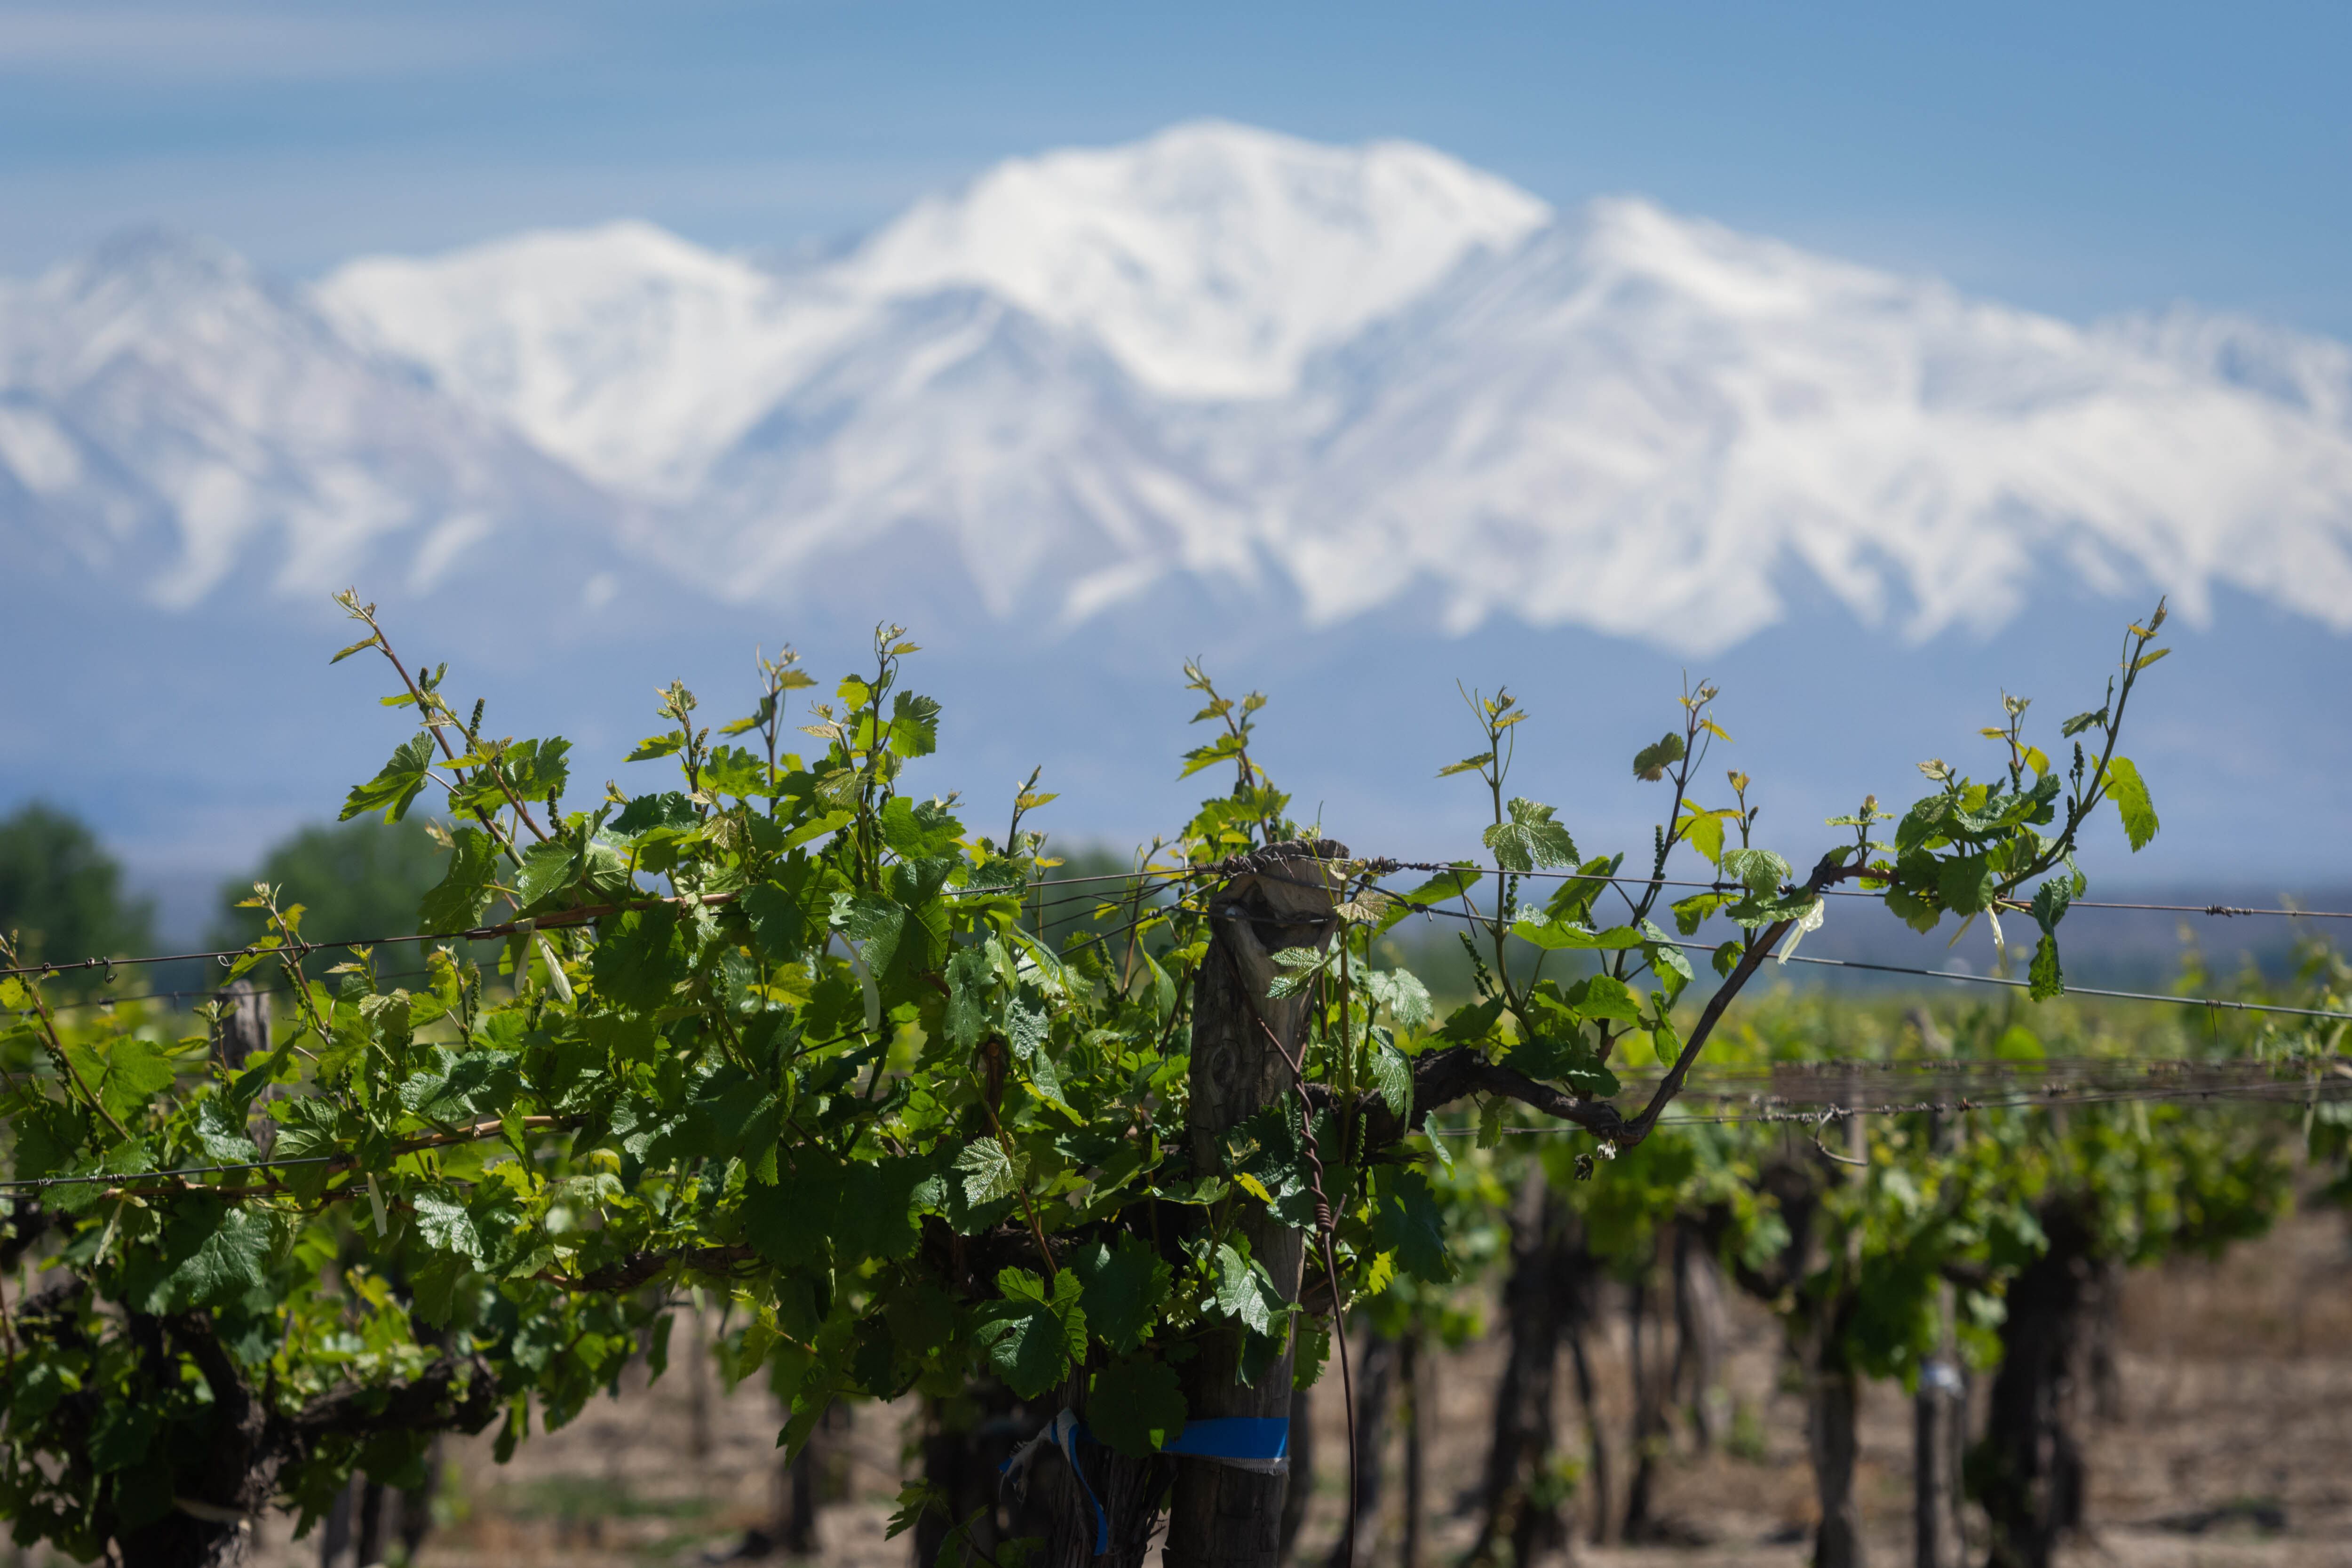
[
  {"x": 1784, "y": 1111},
  {"x": 1955, "y": 974},
  {"x": 1163, "y": 880}
]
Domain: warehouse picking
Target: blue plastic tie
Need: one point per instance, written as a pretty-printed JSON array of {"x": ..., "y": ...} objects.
[{"x": 1252, "y": 1440}]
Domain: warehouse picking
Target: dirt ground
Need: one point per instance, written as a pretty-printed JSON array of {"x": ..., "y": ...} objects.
[{"x": 2236, "y": 1383}]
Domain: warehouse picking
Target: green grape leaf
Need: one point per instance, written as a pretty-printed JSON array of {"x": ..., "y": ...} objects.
[
  {"x": 1244, "y": 1293},
  {"x": 135, "y": 1070},
  {"x": 1664, "y": 954},
  {"x": 2045, "y": 977},
  {"x": 1759, "y": 870},
  {"x": 215, "y": 1252},
  {"x": 1531, "y": 840},
  {"x": 1604, "y": 996},
  {"x": 446, "y": 1225},
  {"x": 1393, "y": 1079},
  {"x": 791, "y": 1223},
  {"x": 1703, "y": 831},
  {"x": 1571, "y": 1061},
  {"x": 1966, "y": 884},
  {"x": 989, "y": 1172},
  {"x": 902, "y": 934},
  {"x": 534, "y": 770},
  {"x": 2126, "y": 788},
  {"x": 1126, "y": 1289},
  {"x": 1402, "y": 994},
  {"x": 122, "y": 1433},
  {"x": 1689, "y": 913},
  {"x": 656, "y": 746},
  {"x": 460, "y": 1084},
  {"x": 640, "y": 959},
  {"x": 456, "y": 903},
  {"x": 733, "y": 1115},
  {"x": 1651, "y": 763},
  {"x": 1135, "y": 1407},
  {"x": 670, "y": 809},
  {"x": 1407, "y": 1221},
  {"x": 914, "y": 725},
  {"x": 917, "y": 1498},
  {"x": 398, "y": 784},
  {"x": 1220, "y": 749},
  {"x": 220, "y": 1133},
  {"x": 919, "y": 830},
  {"x": 546, "y": 868},
  {"x": 1034, "y": 1338},
  {"x": 731, "y": 770},
  {"x": 1472, "y": 1022},
  {"x": 972, "y": 983},
  {"x": 1555, "y": 936}
]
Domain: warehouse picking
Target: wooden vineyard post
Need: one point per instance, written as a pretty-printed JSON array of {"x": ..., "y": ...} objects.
[
  {"x": 242, "y": 1032},
  {"x": 1222, "y": 1516}
]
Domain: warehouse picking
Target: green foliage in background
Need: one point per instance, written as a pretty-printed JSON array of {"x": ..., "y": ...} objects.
[
  {"x": 61, "y": 894},
  {"x": 355, "y": 880}
]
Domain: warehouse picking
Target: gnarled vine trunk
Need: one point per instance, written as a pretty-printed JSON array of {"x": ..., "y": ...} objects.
[
  {"x": 1832, "y": 1398},
  {"x": 2028, "y": 1472},
  {"x": 1653, "y": 1379},
  {"x": 1598, "y": 1484},
  {"x": 1522, "y": 1514},
  {"x": 1699, "y": 1333}
]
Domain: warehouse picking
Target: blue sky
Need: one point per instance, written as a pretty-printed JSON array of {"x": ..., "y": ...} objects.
[{"x": 2079, "y": 159}]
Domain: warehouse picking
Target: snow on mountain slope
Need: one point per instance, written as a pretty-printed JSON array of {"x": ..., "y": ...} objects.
[
  {"x": 1353, "y": 373},
  {"x": 1207, "y": 262},
  {"x": 164, "y": 409},
  {"x": 634, "y": 355},
  {"x": 1211, "y": 258},
  {"x": 1638, "y": 421},
  {"x": 2313, "y": 375},
  {"x": 1019, "y": 446}
]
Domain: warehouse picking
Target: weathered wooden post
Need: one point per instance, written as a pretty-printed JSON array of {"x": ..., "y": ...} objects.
[
  {"x": 1284, "y": 895},
  {"x": 240, "y": 1034},
  {"x": 242, "y": 1029}
]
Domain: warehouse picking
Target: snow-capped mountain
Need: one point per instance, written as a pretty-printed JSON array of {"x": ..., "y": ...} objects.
[
  {"x": 1306, "y": 408},
  {"x": 1344, "y": 376},
  {"x": 1636, "y": 422},
  {"x": 166, "y": 413},
  {"x": 1211, "y": 261}
]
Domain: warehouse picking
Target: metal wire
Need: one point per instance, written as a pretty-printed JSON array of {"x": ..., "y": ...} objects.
[
  {"x": 1719, "y": 886},
  {"x": 1783, "y": 1109},
  {"x": 2292, "y": 1093},
  {"x": 1165, "y": 879},
  {"x": 1958, "y": 974},
  {"x": 1966, "y": 977}
]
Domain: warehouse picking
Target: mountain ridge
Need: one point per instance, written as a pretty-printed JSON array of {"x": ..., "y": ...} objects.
[{"x": 1219, "y": 354}]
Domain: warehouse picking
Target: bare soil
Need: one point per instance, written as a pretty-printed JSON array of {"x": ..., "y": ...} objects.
[{"x": 2232, "y": 1448}]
